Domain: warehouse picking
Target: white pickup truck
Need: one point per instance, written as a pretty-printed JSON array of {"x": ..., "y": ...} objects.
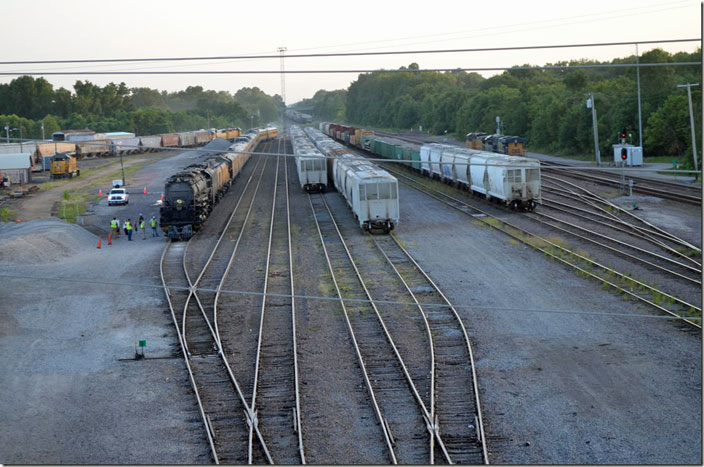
[{"x": 118, "y": 196}]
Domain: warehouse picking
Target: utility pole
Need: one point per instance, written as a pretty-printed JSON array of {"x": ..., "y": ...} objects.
[
  {"x": 640, "y": 120},
  {"x": 7, "y": 133},
  {"x": 591, "y": 104},
  {"x": 282, "y": 51},
  {"x": 42, "y": 130},
  {"x": 691, "y": 123}
]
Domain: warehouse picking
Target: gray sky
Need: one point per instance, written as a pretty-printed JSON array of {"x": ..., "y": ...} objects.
[{"x": 88, "y": 29}]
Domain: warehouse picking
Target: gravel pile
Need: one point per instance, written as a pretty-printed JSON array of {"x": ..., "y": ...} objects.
[{"x": 41, "y": 241}]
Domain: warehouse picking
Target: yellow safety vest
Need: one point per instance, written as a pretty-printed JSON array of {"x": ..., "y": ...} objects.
[
  {"x": 153, "y": 222},
  {"x": 113, "y": 224},
  {"x": 141, "y": 225},
  {"x": 128, "y": 226}
]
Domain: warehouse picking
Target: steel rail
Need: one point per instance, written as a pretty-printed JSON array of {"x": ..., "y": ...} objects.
[
  {"x": 607, "y": 221},
  {"x": 681, "y": 197},
  {"x": 253, "y": 403},
  {"x": 643, "y": 231},
  {"x": 293, "y": 319},
  {"x": 194, "y": 284},
  {"x": 363, "y": 367},
  {"x": 250, "y": 414},
  {"x": 620, "y": 209},
  {"x": 181, "y": 342},
  {"x": 260, "y": 339},
  {"x": 387, "y": 334},
  {"x": 463, "y": 206},
  {"x": 436, "y": 426},
  {"x": 621, "y": 225},
  {"x": 615, "y": 250},
  {"x": 433, "y": 428},
  {"x": 480, "y": 417}
]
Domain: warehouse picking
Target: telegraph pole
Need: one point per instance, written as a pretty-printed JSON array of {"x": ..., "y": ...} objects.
[
  {"x": 691, "y": 123},
  {"x": 591, "y": 104},
  {"x": 282, "y": 51},
  {"x": 640, "y": 121}
]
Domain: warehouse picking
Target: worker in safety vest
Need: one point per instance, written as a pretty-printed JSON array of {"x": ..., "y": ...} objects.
[
  {"x": 114, "y": 228},
  {"x": 128, "y": 228},
  {"x": 152, "y": 222},
  {"x": 141, "y": 227}
]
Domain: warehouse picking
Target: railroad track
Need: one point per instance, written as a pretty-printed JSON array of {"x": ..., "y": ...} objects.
[
  {"x": 454, "y": 388},
  {"x": 401, "y": 422},
  {"x": 647, "y": 186},
  {"x": 621, "y": 282},
  {"x": 276, "y": 387},
  {"x": 610, "y": 210},
  {"x": 226, "y": 414}
]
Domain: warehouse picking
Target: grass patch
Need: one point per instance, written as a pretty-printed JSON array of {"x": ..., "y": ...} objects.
[
  {"x": 74, "y": 205},
  {"x": 688, "y": 252},
  {"x": 8, "y": 215}
]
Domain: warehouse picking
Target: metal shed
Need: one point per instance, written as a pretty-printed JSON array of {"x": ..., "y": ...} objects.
[{"x": 16, "y": 167}]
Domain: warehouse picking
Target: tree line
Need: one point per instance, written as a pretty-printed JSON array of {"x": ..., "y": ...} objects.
[
  {"x": 29, "y": 104},
  {"x": 547, "y": 106}
]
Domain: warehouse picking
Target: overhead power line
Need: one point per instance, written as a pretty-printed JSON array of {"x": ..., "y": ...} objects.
[
  {"x": 347, "y": 54},
  {"x": 143, "y": 285},
  {"x": 378, "y": 70}
]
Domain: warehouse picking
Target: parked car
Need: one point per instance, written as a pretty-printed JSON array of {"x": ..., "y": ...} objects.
[{"x": 118, "y": 196}]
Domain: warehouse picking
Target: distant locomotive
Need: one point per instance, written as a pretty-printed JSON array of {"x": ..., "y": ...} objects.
[
  {"x": 510, "y": 145},
  {"x": 191, "y": 194},
  {"x": 64, "y": 165}
]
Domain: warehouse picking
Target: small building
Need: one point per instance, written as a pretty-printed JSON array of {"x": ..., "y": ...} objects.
[
  {"x": 633, "y": 155},
  {"x": 17, "y": 168}
]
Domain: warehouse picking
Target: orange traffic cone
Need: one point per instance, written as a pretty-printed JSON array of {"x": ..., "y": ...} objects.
[
  {"x": 99, "y": 240},
  {"x": 109, "y": 239},
  {"x": 100, "y": 193},
  {"x": 145, "y": 190}
]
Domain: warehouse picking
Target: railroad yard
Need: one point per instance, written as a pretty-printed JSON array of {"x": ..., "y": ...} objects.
[{"x": 284, "y": 333}]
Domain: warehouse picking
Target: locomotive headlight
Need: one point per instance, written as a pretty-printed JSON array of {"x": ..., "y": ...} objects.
[{"x": 179, "y": 204}]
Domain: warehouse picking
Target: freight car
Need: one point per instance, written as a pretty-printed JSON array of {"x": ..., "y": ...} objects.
[
  {"x": 310, "y": 162},
  {"x": 191, "y": 194},
  {"x": 371, "y": 192},
  {"x": 510, "y": 180}
]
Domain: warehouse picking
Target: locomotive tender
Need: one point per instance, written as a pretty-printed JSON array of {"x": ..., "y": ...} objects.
[{"x": 191, "y": 194}]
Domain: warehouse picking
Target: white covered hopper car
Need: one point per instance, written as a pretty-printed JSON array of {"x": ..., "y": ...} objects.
[
  {"x": 510, "y": 180},
  {"x": 311, "y": 164},
  {"x": 370, "y": 191}
]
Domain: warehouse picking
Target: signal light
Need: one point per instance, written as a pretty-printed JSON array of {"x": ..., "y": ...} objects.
[
  {"x": 623, "y": 133},
  {"x": 624, "y": 154}
]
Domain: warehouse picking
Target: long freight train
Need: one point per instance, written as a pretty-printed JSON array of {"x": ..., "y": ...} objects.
[
  {"x": 191, "y": 194},
  {"x": 370, "y": 192},
  {"x": 510, "y": 180}
]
